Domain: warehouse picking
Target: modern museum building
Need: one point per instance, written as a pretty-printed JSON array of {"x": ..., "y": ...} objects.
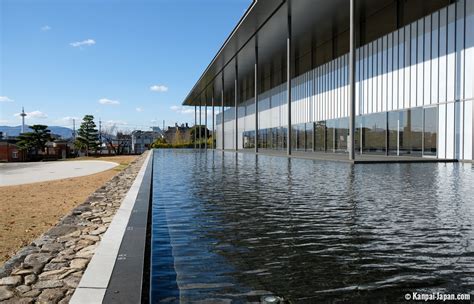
[{"x": 390, "y": 78}]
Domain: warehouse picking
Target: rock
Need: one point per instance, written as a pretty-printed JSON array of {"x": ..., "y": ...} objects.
[
  {"x": 93, "y": 238},
  {"x": 36, "y": 259},
  {"x": 65, "y": 300},
  {"x": 98, "y": 231},
  {"x": 52, "y": 273},
  {"x": 86, "y": 252},
  {"x": 10, "y": 281},
  {"x": 5, "y": 293},
  {"x": 59, "y": 260},
  {"x": 78, "y": 247},
  {"x": 79, "y": 263},
  {"x": 61, "y": 230},
  {"x": 67, "y": 252},
  {"x": 50, "y": 296},
  {"x": 48, "y": 284},
  {"x": 70, "y": 243},
  {"x": 36, "y": 269},
  {"x": 70, "y": 236},
  {"x": 52, "y": 247},
  {"x": 23, "y": 288},
  {"x": 19, "y": 301},
  {"x": 21, "y": 271},
  {"x": 32, "y": 293},
  {"x": 67, "y": 273},
  {"x": 30, "y": 279},
  {"x": 78, "y": 274},
  {"x": 54, "y": 266},
  {"x": 85, "y": 242},
  {"x": 42, "y": 240},
  {"x": 72, "y": 281}
]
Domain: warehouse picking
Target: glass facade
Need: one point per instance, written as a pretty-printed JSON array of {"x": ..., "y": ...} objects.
[
  {"x": 411, "y": 132},
  {"x": 270, "y": 138},
  {"x": 412, "y": 97}
]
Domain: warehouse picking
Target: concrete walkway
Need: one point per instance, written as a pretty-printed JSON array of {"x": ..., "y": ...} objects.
[{"x": 26, "y": 173}]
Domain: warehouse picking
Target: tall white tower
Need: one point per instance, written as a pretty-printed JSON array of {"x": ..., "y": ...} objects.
[{"x": 23, "y": 114}]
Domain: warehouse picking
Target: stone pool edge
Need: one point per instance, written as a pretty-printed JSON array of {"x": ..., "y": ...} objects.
[{"x": 95, "y": 280}]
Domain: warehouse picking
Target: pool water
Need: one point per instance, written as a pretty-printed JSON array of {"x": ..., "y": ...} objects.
[{"x": 233, "y": 227}]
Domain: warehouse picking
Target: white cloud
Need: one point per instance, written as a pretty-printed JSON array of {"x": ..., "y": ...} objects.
[
  {"x": 87, "y": 42},
  {"x": 182, "y": 110},
  {"x": 139, "y": 109},
  {"x": 46, "y": 28},
  {"x": 159, "y": 88},
  {"x": 34, "y": 114},
  {"x": 68, "y": 119},
  {"x": 115, "y": 122},
  {"x": 5, "y": 99},
  {"x": 106, "y": 101},
  {"x": 4, "y": 121}
]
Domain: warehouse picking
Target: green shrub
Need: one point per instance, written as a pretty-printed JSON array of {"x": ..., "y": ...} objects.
[{"x": 171, "y": 146}]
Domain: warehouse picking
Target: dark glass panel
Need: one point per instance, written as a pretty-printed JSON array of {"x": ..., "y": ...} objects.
[
  {"x": 416, "y": 131},
  {"x": 341, "y": 133},
  {"x": 249, "y": 139},
  {"x": 393, "y": 119},
  {"x": 299, "y": 137},
  {"x": 320, "y": 136},
  {"x": 282, "y": 144},
  {"x": 330, "y": 132},
  {"x": 309, "y": 136},
  {"x": 405, "y": 132},
  {"x": 358, "y": 134},
  {"x": 374, "y": 133},
  {"x": 430, "y": 131}
]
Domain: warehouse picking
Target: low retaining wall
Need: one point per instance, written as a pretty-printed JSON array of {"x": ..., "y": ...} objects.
[{"x": 115, "y": 273}]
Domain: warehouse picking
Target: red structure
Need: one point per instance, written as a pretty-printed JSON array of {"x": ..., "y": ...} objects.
[{"x": 9, "y": 152}]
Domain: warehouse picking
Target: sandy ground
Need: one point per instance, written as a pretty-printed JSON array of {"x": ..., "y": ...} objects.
[{"x": 27, "y": 211}]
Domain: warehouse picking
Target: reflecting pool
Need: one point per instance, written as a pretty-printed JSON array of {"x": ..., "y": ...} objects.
[{"x": 229, "y": 228}]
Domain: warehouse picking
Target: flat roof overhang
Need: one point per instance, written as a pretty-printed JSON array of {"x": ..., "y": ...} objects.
[{"x": 313, "y": 22}]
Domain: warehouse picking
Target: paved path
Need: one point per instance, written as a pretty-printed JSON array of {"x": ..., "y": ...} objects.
[{"x": 25, "y": 173}]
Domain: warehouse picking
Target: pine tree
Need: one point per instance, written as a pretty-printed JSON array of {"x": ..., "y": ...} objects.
[
  {"x": 35, "y": 140},
  {"x": 88, "y": 136}
]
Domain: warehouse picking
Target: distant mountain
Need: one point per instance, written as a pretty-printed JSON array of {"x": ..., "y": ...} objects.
[{"x": 15, "y": 131}]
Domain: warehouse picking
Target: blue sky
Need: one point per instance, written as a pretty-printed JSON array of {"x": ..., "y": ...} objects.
[{"x": 126, "y": 62}]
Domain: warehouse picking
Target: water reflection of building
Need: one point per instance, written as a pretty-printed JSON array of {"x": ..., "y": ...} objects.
[{"x": 412, "y": 93}]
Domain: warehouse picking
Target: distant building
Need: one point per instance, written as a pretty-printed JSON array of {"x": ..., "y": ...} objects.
[
  {"x": 158, "y": 130},
  {"x": 9, "y": 151},
  {"x": 142, "y": 140},
  {"x": 58, "y": 149},
  {"x": 178, "y": 134}
]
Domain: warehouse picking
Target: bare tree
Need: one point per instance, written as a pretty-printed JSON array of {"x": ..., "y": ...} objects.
[{"x": 108, "y": 136}]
